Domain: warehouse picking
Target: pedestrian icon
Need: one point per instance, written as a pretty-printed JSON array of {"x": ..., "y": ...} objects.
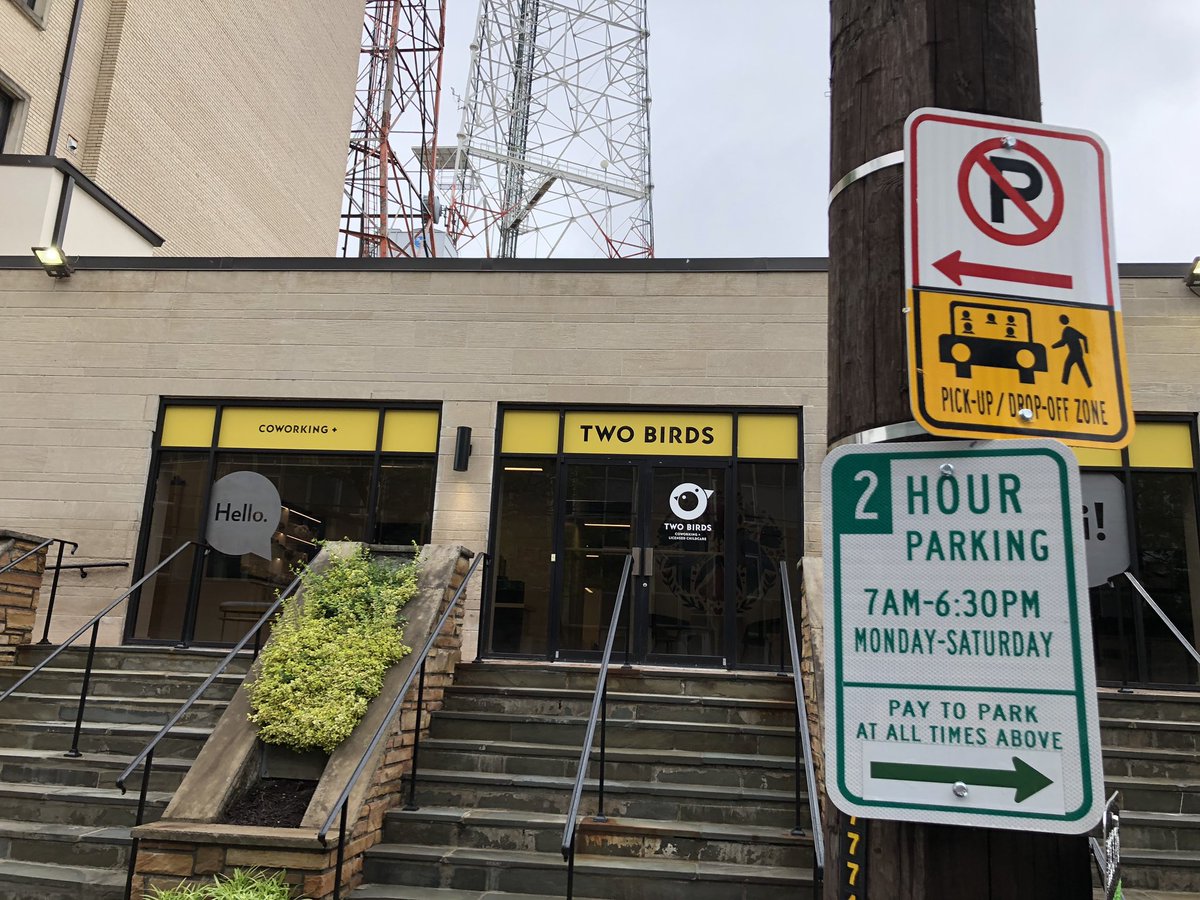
[
  {"x": 987, "y": 334},
  {"x": 1076, "y": 343}
]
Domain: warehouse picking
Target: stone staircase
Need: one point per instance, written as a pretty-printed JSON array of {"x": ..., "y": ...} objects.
[
  {"x": 699, "y": 790},
  {"x": 1151, "y": 748},
  {"x": 64, "y": 825}
]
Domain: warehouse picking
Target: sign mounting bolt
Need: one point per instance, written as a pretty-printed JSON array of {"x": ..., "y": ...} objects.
[
  {"x": 1025, "y": 415},
  {"x": 947, "y": 469},
  {"x": 960, "y": 789},
  {"x": 1008, "y": 142}
]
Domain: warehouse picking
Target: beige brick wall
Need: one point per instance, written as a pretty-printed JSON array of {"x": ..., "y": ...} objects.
[
  {"x": 223, "y": 127},
  {"x": 87, "y": 359}
]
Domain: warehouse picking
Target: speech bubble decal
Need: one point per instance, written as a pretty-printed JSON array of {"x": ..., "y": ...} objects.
[{"x": 243, "y": 514}]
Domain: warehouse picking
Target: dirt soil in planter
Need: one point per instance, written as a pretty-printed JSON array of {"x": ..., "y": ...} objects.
[{"x": 278, "y": 802}]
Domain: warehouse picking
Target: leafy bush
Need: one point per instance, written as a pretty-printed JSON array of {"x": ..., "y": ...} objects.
[
  {"x": 326, "y": 660},
  {"x": 241, "y": 885}
]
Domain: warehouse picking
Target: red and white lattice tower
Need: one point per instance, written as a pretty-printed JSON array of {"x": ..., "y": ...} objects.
[
  {"x": 553, "y": 157},
  {"x": 390, "y": 200}
]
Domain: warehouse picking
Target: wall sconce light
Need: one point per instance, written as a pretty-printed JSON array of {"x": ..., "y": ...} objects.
[
  {"x": 1192, "y": 278},
  {"x": 56, "y": 263},
  {"x": 462, "y": 448}
]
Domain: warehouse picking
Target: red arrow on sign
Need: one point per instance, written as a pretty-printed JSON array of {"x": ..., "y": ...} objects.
[{"x": 953, "y": 267}]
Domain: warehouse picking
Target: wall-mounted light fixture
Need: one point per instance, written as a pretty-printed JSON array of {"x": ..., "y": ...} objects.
[
  {"x": 1192, "y": 278},
  {"x": 462, "y": 448},
  {"x": 54, "y": 261}
]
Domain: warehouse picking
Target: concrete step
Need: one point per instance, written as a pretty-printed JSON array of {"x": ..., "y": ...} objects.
[
  {"x": 1160, "y": 831},
  {"x": 114, "y": 738},
  {"x": 118, "y": 683},
  {"x": 1171, "y": 706},
  {"x": 657, "y": 681},
  {"x": 646, "y": 734},
  {"x": 44, "y": 881},
  {"x": 122, "y": 709},
  {"x": 623, "y": 764},
  {"x": 616, "y": 878},
  {"x": 65, "y": 805},
  {"x": 1167, "y": 795},
  {"x": 1165, "y": 734},
  {"x": 136, "y": 658},
  {"x": 408, "y": 892},
  {"x": 622, "y": 705},
  {"x": 662, "y": 802},
  {"x": 1161, "y": 870},
  {"x": 91, "y": 770},
  {"x": 1151, "y": 762},
  {"x": 76, "y": 845},
  {"x": 498, "y": 829}
]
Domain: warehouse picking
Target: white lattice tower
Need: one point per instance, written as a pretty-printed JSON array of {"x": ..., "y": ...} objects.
[
  {"x": 553, "y": 157},
  {"x": 389, "y": 194}
]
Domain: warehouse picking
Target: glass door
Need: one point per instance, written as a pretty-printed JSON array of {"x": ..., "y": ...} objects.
[
  {"x": 683, "y": 589},
  {"x": 671, "y": 518}
]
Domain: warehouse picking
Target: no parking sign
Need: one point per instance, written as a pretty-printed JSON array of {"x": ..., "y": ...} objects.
[{"x": 1014, "y": 315}]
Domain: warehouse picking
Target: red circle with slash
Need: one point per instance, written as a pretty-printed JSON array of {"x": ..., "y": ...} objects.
[{"x": 1042, "y": 227}]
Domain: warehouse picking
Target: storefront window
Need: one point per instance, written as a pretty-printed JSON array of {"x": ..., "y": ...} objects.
[
  {"x": 768, "y": 534},
  {"x": 323, "y": 496},
  {"x": 1131, "y": 642}
]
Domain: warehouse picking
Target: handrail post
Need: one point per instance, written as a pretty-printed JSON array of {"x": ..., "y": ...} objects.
[
  {"x": 1124, "y": 688},
  {"x": 571, "y": 870},
  {"x": 87, "y": 678},
  {"x": 53, "y": 593},
  {"x": 141, "y": 817},
  {"x": 341, "y": 855},
  {"x": 412, "y": 776},
  {"x": 600, "y": 817}
]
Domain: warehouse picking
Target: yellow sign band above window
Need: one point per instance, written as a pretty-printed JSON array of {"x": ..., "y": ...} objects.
[
  {"x": 649, "y": 434},
  {"x": 283, "y": 428},
  {"x": 291, "y": 428}
]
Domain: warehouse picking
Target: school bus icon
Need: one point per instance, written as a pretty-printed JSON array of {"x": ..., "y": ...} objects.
[{"x": 997, "y": 337}]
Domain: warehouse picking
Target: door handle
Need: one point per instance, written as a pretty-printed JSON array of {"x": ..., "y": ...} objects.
[
  {"x": 647, "y": 562},
  {"x": 636, "y": 569}
]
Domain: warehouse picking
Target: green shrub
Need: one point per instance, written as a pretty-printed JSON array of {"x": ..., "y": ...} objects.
[
  {"x": 326, "y": 660},
  {"x": 241, "y": 885}
]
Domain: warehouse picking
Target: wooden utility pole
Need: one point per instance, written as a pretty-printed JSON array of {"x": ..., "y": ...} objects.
[{"x": 890, "y": 57}]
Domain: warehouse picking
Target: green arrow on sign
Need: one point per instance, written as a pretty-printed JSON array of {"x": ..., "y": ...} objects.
[{"x": 1024, "y": 777}]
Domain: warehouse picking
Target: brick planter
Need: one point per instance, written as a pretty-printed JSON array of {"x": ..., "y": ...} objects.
[{"x": 19, "y": 590}]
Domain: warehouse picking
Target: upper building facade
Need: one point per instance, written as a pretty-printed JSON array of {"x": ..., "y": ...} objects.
[{"x": 222, "y": 129}]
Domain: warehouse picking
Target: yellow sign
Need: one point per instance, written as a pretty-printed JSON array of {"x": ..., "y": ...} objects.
[
  {"x": 986, "y": 366},
  {"x": 286, "y": 428},
  {"x": 649, "y": 434},
  {"x": 188, "y": 426},
  {"x": 410, "y": 431}
]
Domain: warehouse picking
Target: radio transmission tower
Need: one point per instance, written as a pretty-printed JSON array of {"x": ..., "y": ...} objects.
[
  {"x": 554, "y": 153},
  {"x": 389, "y": 203}
]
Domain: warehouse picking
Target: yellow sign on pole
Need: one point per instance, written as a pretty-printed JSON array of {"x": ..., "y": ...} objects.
[
  {"x": 1001, "y": 366},
  {"x": 1014, "y": 314}
]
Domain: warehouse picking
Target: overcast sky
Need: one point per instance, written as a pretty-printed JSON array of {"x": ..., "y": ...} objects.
[{"x": 740, "y": 118}]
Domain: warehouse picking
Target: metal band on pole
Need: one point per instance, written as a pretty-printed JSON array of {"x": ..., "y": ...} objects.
[{"x": 895, "y": 158}]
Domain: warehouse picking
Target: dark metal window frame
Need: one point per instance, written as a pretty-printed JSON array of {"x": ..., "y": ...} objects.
[
  {"x": 378, "y": 456},
  {"x": 560, "y": 459},
  {"x": 1125, "y": 470}
]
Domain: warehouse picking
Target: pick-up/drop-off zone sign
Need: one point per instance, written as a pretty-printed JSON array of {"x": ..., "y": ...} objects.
[
  {"x": 1014, "y": 314},
  {"x": 959, "y": 681}
]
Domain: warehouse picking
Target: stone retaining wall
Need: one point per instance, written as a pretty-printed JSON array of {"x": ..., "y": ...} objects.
[{"x": 20, "y": 588}]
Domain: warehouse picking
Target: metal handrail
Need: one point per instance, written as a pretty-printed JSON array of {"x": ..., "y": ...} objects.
[
  {"x": 147, "y": 752},
  {"x": 1187, "y": 645},
  {"x": 84, "y": 566},
  {"x": 53, "y": 584},
  {"x": 803, "y": 742},
  {"x": 599, "y": 708},
  {"x": 94, "y": 624},
  {"x": 343, "y": 801}
]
